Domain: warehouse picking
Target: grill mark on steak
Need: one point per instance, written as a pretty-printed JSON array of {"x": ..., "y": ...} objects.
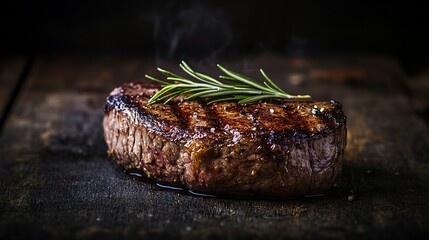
[
  {"x": 229, "y": 117},
  {"x": 195, "y": 114},
  {"x": 272, "y": 148},
  {"x": 182, "y": 116},
  {"x": 211, "y": 115}
]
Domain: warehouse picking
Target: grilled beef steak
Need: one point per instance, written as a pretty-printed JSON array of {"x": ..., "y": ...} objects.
[{"x": 275, "y": 148}]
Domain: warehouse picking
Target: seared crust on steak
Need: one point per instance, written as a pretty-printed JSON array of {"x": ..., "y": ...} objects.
[{"x": 273, "y": 148}]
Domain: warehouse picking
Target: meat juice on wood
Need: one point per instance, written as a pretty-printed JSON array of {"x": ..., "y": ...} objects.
[{"x": 268, "y": 149}]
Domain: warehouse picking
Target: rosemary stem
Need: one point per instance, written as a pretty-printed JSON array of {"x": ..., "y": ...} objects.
[{"x": 243, "y": 89}]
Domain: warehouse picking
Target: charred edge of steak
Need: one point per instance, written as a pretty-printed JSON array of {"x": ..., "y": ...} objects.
[{"x": 217, "y": 155}]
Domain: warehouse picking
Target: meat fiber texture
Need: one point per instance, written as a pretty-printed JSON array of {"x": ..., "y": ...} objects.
[{"x": 268, "y": 149}]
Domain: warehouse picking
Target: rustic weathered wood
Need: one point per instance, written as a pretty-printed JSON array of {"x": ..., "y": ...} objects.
[
  {"x": 11, "y": 69},
  {"x": 56, "y": 180}
]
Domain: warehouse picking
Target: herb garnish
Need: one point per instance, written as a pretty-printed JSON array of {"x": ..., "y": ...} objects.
[{"x": 244, "y": 90}]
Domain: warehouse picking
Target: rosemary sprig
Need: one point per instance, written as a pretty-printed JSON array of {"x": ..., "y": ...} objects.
[{"x": 244, "y": 89}]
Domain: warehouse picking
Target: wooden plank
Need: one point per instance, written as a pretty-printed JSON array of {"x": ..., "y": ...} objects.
[
  {"x": 10, "y": 70},
  {"x": 57, "y": 181}
]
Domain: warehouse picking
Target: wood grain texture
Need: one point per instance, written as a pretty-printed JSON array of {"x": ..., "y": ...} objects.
[{"x": 56, "y": 180}]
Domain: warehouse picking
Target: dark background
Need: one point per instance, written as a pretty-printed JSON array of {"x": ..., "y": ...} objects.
[
  {"x": 215, "y": 29},
  {"x": 60, "y": 59}
]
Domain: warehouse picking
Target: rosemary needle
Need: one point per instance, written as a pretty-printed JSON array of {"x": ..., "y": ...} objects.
[{"x": 198, "y": 85}]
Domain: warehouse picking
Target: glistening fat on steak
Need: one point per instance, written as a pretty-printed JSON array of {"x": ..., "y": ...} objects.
[{"x": 274, "y": 148}]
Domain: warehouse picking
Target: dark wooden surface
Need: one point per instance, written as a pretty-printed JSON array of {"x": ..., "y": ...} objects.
[
  {"x": 56, "y": 180},
  {"x": 11, "y": 69}
]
